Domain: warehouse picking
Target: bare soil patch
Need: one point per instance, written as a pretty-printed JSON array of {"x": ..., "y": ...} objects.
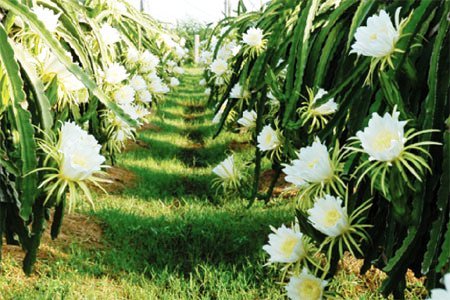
[
  {"x": 83, "y": 230},
  {"x": 281, "y": 187},
  {"x": 119, "y": 178},
  {"x": 237, "y": 146},
  {"x": 374, "y": 277},
  {"x": 150, "y": 127},
  {"x": 136, "y": 145}
]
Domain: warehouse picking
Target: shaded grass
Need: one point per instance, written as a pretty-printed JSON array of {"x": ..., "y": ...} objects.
[
  {"x": 170, "y": 236},
  {"x": 192, "y": 235}
]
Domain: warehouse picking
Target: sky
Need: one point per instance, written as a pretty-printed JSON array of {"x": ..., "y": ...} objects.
[{"x": 206, "y": 11}]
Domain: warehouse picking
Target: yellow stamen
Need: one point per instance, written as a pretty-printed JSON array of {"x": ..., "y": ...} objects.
[
  {"x": 80, "y": 160},
  {"x": 383, "y": 140},
  {"x": 310, "y": 289},
  {"x": 288, "y": 246},
  {"x": 313, "y": 163},
  {"x": 331, "y": 218}
]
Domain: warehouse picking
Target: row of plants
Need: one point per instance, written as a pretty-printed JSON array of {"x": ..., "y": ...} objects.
[
  {"x": 77, "y": 78},
  {"x": 187, "y": 30},
  {"x": 349, "y": 102}
]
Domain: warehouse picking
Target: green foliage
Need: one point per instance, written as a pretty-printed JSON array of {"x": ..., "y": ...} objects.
[
  {"x": 166, "y": 235},
  {"x": 188, "y": 29},
  {"x": 35, "y": 59},
  {"x": 308, "y": 44},
  {"x": 21, "y": 122}
]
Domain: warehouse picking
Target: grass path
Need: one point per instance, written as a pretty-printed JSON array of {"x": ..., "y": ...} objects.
[{"x": 167, "y": 236}]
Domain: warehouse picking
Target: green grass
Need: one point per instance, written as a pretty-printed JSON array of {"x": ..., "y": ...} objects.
[{"x": 169, "y": 236}]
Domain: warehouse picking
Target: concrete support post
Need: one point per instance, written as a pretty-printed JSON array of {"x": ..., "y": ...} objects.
[{"x": 197, "y": 49}]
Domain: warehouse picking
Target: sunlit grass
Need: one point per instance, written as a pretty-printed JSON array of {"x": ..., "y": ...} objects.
[{"x": 169, "y": 236}]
